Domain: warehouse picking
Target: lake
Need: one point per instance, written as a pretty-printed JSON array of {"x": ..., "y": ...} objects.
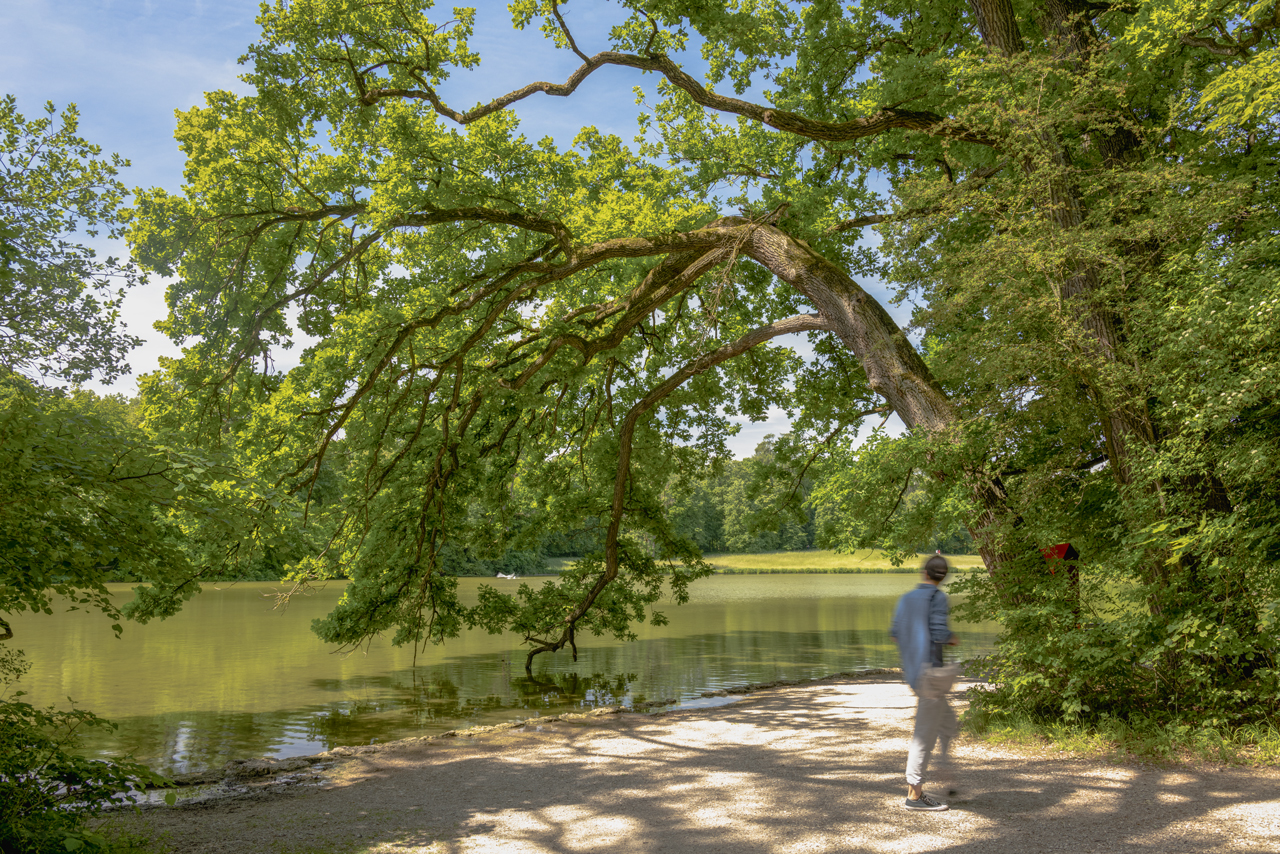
[{"x": 230, "y": 678}]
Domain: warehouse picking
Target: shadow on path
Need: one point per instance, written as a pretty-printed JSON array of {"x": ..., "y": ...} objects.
[{"x": 811, "y": 769}]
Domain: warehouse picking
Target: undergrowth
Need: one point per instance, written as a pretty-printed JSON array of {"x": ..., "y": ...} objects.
[
  {"x": 1118, "y": 739},
  {"x": 49, "y": 794}
]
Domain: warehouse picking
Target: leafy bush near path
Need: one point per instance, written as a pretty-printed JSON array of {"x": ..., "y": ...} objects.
[
  {"x": 1148, "y": 738},
  {"x": 46, "y": 791}
]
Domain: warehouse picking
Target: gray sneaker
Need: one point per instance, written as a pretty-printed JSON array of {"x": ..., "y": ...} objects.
[{"x": 926, "y": 802}]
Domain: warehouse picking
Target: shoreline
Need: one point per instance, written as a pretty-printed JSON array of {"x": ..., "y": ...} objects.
[
  {"x": 122, "y": 587},
  {"x": 805, "y": 767},
  {"x": 263, "y": 768}
]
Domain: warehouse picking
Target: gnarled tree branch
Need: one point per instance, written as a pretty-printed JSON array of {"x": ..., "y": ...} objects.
[
  {"x": 884, "y": 119},
  {"x": 786, "y": 326}
]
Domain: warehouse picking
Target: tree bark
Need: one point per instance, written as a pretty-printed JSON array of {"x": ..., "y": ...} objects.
[
  {"x": 894, "y": 370},
  {"x": 1122, "y": 423},
  {"x": 998, "y": 25}
]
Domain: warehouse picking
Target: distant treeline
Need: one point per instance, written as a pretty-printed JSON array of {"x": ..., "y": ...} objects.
[
  {"x": 749, "y": 506},
  {"x": 758, "y": 505}
]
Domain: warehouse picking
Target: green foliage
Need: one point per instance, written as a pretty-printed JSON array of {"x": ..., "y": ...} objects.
[
  {"x": 584, "y": 539},
  {"x": 880, "y": 495},
  {"x": 87, "y": 494},
  {"x": 59, "y": 305},
  {"x": 1078, "y": 202},
  {"x": 47, "y": 791},
  {"x": 747, "y": 506},
  {"x": 456, "y": 561},
  {"x": 90, "y": 499},
  {"x": 1171, "y": 617}
]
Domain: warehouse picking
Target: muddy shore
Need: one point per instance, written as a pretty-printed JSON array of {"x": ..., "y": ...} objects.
[{"x": 812, "y": 767}]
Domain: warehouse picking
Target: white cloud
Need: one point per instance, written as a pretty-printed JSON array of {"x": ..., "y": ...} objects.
[{"x": 754, "y": 432}]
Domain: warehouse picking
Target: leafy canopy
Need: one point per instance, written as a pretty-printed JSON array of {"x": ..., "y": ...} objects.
[
  {"x": 59, "y": 304},
  {"x": 513, "y": 338}
]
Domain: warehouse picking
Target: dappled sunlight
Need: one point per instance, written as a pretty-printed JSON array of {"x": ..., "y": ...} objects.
[
  {"x": 1253, "y": 826},
  {"x": 801, "y": 769}
]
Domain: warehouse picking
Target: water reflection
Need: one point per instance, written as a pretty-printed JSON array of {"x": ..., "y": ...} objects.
[{"x": 228, "y": 679}]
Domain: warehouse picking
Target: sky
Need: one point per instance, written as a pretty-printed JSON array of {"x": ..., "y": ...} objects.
[{"x": 129, "y": 64}]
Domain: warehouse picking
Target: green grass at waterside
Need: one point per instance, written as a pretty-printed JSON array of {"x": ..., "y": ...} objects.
[
  {"x": 1120, "y": 740},
  {"x": 826, "y": 561},
  {"x": 816, "y": 561}
]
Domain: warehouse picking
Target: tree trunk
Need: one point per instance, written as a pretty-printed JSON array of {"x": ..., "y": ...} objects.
[
  {"x": 1123, "y": 423},
  {"x": 894, "y": 369}
]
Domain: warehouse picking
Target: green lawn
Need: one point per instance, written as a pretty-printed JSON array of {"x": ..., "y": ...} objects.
[{"x": 867, "y": 560}]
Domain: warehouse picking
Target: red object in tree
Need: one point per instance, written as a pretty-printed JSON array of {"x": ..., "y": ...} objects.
[
  {"x": 1066, "y": 553},
  {"x": 1062, "y": 551}
]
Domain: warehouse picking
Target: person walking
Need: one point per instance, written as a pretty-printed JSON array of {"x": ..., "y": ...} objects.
[{"x": 921, "y": 629}]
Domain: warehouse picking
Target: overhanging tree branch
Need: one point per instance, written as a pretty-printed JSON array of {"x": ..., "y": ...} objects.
[
  {"x": 884, "y": 119},
  {"x": 786, "y": 326},
  {"x": 1232, "y": 46}
]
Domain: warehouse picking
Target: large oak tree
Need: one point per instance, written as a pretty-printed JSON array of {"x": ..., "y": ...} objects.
[{"x": 503, "y": 329}]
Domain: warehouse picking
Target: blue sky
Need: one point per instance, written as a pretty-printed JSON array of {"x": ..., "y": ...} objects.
[{"x": 129, "y": 64}]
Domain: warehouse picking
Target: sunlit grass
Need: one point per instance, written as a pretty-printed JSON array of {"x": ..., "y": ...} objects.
[
  {"x": 1116, "y": 739},
  {"x": 814, "y": 561},
  {"x": 825, "y": 560}
]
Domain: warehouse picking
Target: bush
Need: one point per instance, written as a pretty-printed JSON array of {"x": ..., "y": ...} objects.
[{"x": 46, "y": 791}]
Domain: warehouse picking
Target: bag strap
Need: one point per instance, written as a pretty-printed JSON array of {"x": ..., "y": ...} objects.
[{"x": 936, "y": 650}]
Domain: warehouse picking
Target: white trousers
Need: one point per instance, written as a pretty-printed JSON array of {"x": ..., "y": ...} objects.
[{"x": 935, "y": 721}]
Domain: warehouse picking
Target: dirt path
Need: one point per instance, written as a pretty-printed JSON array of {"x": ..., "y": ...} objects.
[{"x": 816, "y": 768}]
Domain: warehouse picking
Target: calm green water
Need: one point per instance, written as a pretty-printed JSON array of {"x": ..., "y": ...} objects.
[{"x": 229, "y": 678}]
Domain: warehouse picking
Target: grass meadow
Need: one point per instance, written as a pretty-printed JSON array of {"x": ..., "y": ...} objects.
[{"x": 816, "y": 561}]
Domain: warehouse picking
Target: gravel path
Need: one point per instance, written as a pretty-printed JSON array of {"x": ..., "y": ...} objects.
[{"x": 816, "y": 768}]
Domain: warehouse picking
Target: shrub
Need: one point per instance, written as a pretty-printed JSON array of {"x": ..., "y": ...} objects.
[{"x": 47, "y": 792}]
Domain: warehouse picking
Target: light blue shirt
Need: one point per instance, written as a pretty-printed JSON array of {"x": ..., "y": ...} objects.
[{"x": 917, "y": 625}]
